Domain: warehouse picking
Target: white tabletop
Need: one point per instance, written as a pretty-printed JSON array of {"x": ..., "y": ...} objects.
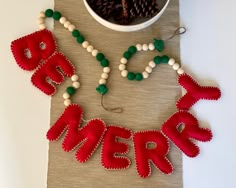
[{"x": 207, "y": 52}]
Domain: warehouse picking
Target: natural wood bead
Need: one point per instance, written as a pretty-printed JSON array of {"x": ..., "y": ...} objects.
[
  {"x": 90, "y": 48},
  {"x": 151, "y": 46},
  {"x": 139, "y": 47},
  {"x": 148, "y": 69},
  {"x": 104, "y": 75},
  {"x": 66, "y": 96},
  {"x": 67, "y": 24},
  {"x": 176, "y": 66},
  {"x": 123, "y": 60},
  {"x": 62, "y": 20},
  {"x": 171, "y": 61},
  {"x": 74, "y": 78},
  {"x": 152, "y": 64},
  {"x": 94, "y": 53},
  {"x": 76, "y": 85},
  {"x": 180, "y": 71},
  {"x": 85, "y": 44},
  {"x": 124, "y": 73},
  {"x": 102, "y": 81},
  {"x": 67, "y": 102},
  {"x": 145, "y": 75},
  {"x": 42, "y": 26},
  {"x": 145, "y": 47},
  {"x": 71, "y": 28},
  {"x": 122, "y": 67},
  {"x": 107, "y": 69}
]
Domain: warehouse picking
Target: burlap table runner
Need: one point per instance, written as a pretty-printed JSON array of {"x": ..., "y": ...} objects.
[{"x": 147, "y": 104}]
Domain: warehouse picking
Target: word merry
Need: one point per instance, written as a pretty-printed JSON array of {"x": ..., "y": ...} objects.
[{"x": 88, "y": 138}]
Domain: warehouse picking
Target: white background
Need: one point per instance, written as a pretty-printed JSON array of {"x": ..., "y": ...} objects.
[{"x": 207, "y": 52}]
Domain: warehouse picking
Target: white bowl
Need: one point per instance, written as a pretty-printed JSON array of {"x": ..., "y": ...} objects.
[{"x": 126, "y": 28}]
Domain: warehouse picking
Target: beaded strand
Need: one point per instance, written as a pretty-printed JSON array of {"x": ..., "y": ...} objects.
[
  {"x": 100, "y": 57},
  {"x": 151, "y": 65}
]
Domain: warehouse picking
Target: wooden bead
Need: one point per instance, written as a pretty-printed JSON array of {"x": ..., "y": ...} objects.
[
  {"x": 145, "y": 47},
  {"x": 102, "y": 81},
  {"x": 122, "y": 67},
  {"x": 74, "y": 78},
  {"x": 67, "y": 102},
  {"x": 139, "y": 47},
  {"x": 106, "y": 69},
  {"x": 151, "y": 46},
  {"x": 66, "y": 96},
  {"x": 171, "y": 61},
  {"x": 176, "y": 66},
  {"x": 90, "y": 48},
  {"x": 104, "y": 75},
  {"x": 42, "y": 14},
  {"x": 62, "y": 20},
  {"x": 94, "y": 53},
  {"x": 42, "y": 26},
  {"x": 152, "y": 64},
  {"x": 123, "y": 60},
  {"x": 76, "y": 85},
  {"x": 67, "y": 24},
  {"x": 180, "y": 71},
  {"x": 148, "y": 69},
  {"x": 124, "y": 73},
  {"x": 71, "y": 28},
  {"x": 40, "y": 20},
  {"x": 85, "y": 44},
  {"x": 145, "y": 75}
]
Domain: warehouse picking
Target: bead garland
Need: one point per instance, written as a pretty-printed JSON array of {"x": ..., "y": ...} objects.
[
  {"x": 151, "y": 65},
  {"x": 100, "y": 57},
  {"x": 95, "y": 131}
]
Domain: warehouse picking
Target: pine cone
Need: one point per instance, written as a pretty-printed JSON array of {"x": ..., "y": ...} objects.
[{"x": 143, "y": 8}]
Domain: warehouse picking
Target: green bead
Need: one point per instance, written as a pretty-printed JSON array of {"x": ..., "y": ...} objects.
[
  {"x": 131, "y": 76},
  {"x": 100, "y": 56},
  {"x": 127, "y": 55},
  {"x": 71, "y": 90},
  {"x": 104, "y": 63},
  {"x": 159, "y": 45},
  {"x": 80, "y": 39},
  {"x": 165, "y": 59},
  {"x": 56, "y": 15},
  {"x": 102, "y": 89},
  {"x": 75, "y": 33},
  {"x": 157, "y": 60},
  {"x": 139, "y": 77},
  {"x": 49, "y": 13},
  {"x": 132, "y": 49}
]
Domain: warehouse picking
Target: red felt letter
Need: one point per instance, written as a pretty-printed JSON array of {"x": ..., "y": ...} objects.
[
  {"x": 50, "y": 69},
  {"x": 111, "y": 147},
  {"x": 87, "y": 138},
  {"x": 191, "y": 130},
  {"x": 195, "y": 92},
  {"x": 39, "y": 45},
  {"x": 144, "y": 155}
]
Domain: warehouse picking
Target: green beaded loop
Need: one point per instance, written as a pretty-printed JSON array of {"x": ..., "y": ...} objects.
[{"x": 49, "y": 13}]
